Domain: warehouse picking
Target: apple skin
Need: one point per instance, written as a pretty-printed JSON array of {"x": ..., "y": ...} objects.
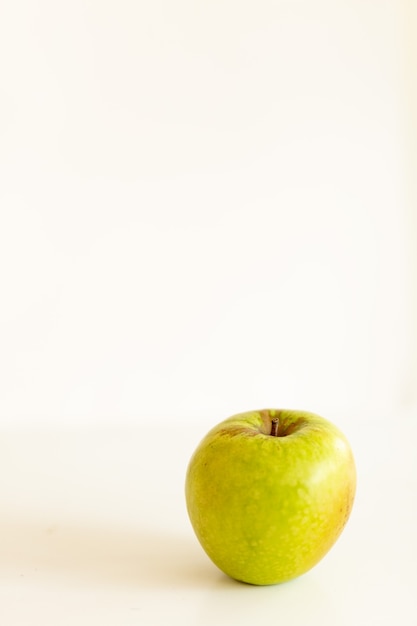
[{"x": 267, "y": 508}]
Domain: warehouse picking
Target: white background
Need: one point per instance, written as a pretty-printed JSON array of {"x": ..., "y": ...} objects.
[{"x": 205, "y": 207}]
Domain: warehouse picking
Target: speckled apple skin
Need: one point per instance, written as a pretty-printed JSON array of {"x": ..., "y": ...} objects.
[{"x": 267, "y": 509}]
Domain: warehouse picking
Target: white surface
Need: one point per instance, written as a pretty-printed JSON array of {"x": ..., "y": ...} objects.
[{"x": 93, "y": 530}]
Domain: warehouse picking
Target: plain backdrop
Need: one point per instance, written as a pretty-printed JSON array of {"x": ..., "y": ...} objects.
[{"x": 205, "y": 207}]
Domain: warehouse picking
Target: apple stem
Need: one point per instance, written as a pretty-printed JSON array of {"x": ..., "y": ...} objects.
[{"x": 274, "y": 427}]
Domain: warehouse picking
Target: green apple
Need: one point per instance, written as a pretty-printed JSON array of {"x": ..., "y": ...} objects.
[{"x": 269, "y": 492}]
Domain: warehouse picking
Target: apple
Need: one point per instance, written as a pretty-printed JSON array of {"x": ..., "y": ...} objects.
[{"x": 268, "y": 493}]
